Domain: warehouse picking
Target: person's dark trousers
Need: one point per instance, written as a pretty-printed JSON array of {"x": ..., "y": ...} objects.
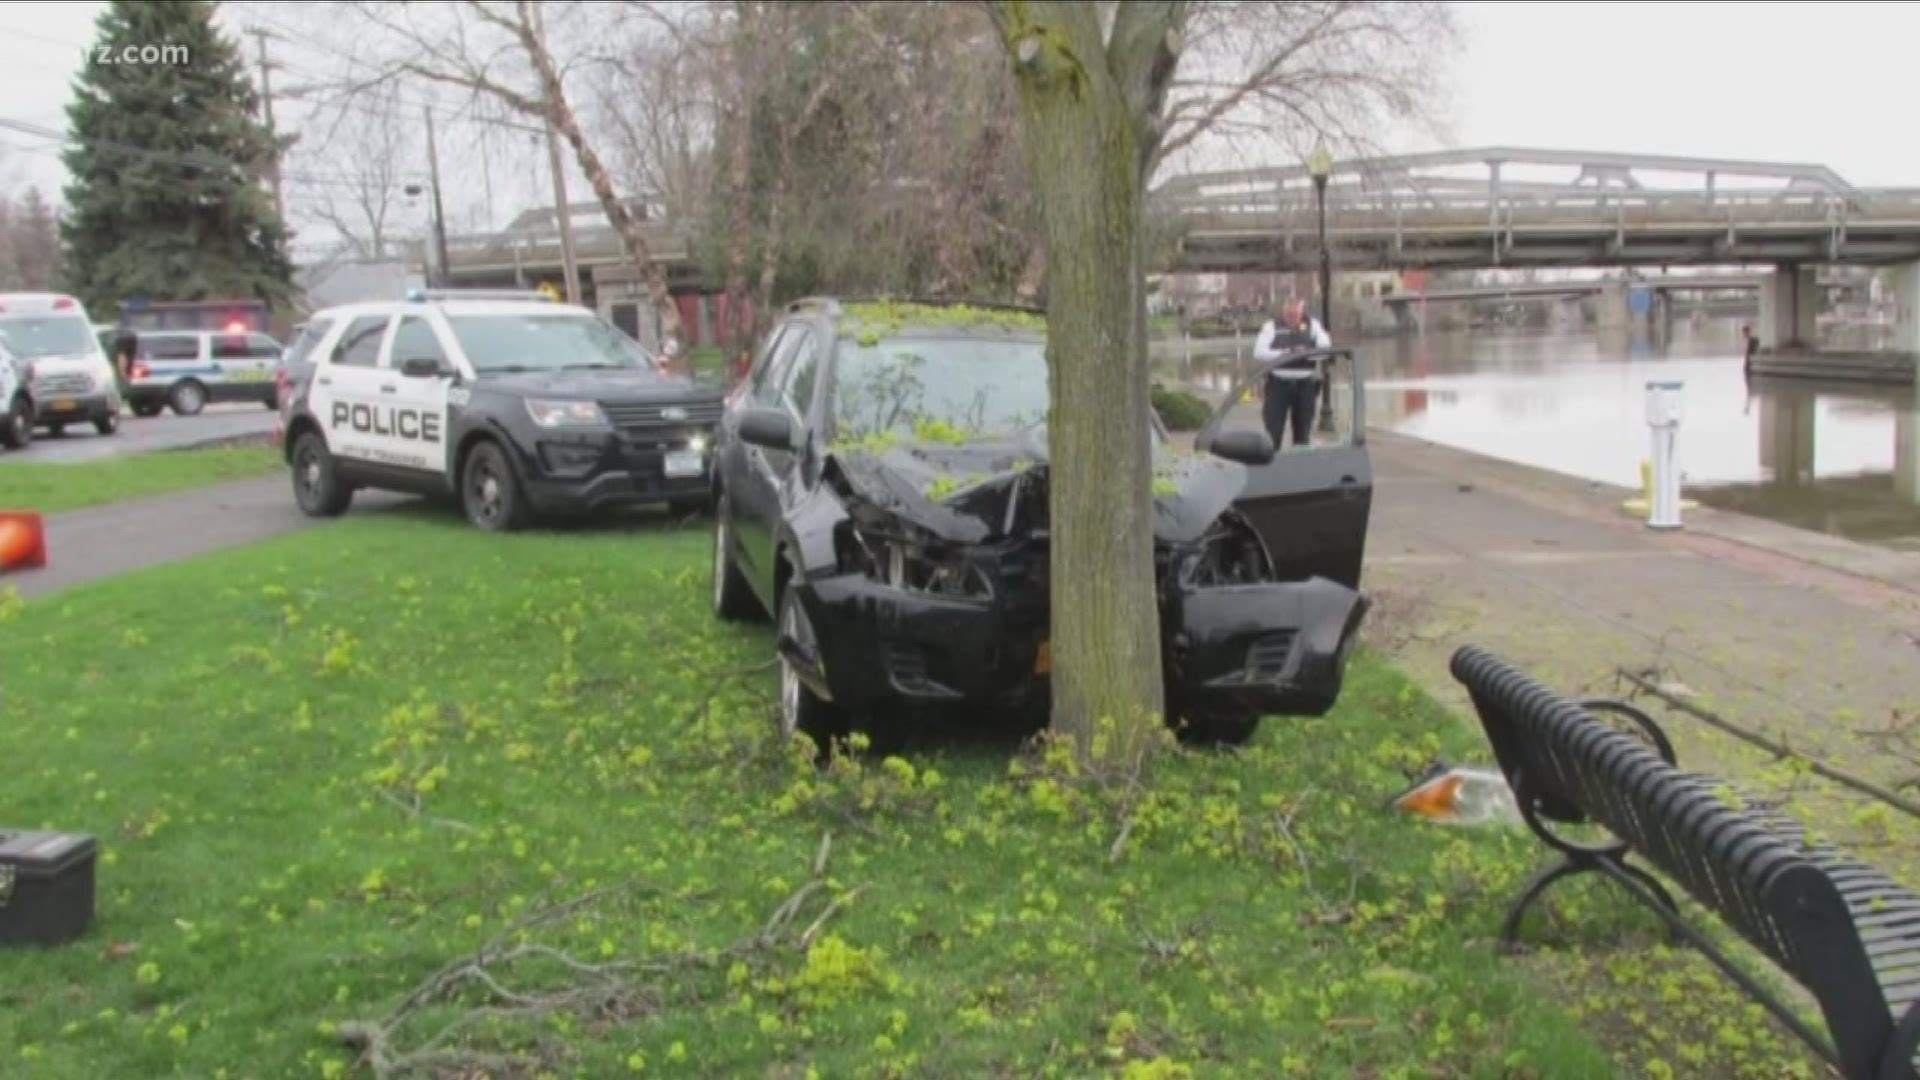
[{"x": 1295, "y": 400}]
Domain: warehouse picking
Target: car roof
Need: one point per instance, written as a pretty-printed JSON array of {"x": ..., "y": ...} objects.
[
  {"x": 451, "y": 307},
  {"x": 835, "y": 310}
]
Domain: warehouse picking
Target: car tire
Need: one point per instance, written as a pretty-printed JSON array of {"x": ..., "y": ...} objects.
[
  {"x": 108, "y": 424},
  {"x": 147, "y": 408},
  {"x": 187, "y": 398},
  {"x": 16, "y": 433},
  {"x": 489, "y": 492},
  {"x": 1217, "y": 727},
  {"x": 733, "y": 599},
  {"x": 801, "y": 711},
  {"x": 317, "y": 486}
]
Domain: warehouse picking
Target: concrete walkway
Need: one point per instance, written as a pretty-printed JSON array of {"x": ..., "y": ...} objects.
[
  {"x": 1812, "y": 639},
  {"x": 102, "y": 541}
]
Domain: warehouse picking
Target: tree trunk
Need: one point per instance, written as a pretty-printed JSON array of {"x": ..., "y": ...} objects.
[
  {"x": 776, "y": 228},
  {"x": 560, "y": 112},
  {"x": 1082, "y": 154},
  {"x": 741, "y": 330}
]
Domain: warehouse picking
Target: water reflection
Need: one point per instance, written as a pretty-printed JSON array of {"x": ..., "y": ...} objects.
[{"x": 1838, "y": 458}]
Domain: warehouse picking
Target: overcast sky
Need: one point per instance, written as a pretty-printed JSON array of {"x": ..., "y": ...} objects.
[{"x": 1823, "y": 84}]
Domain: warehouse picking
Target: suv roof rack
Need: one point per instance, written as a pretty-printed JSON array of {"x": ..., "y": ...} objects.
[{"x": 415, "y": 296}]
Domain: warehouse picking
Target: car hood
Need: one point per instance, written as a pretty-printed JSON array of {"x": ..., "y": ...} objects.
[
  {"x": 71, "y": 363},
  {"x": 970, "y": 494},
  {"x": 616, "y": 385}
]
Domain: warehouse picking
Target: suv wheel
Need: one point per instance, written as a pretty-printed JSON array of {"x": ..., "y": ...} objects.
[
  {"x": 1217, "y": 726},
  {"x": 108, "y": 424},
  {"x": 187, "y": 398},
  {"x": 489, "y": 492},
  {"x": 732, "y": 599},
  {"x": 147, "y": 408},
  {"x": 17, "y": 430},
  {"x": 801, "y": 711},
  {"x": 316, "y": 481}
]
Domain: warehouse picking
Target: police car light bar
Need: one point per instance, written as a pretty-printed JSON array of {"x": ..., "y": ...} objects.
[{"x": 416, "y": 296}]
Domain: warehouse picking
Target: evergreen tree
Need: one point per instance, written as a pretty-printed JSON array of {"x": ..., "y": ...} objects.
[
  {"x": 34, "y": 240},
  {"x": 165, "y": 199},
  {"x": 9, "y": 267}
]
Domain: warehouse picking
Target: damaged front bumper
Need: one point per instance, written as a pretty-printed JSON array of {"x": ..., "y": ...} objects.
[
  {"x": 1275, "y": 648},
  {"x": 876, "y": 644},
  {"x": 1269, "y": 649}
]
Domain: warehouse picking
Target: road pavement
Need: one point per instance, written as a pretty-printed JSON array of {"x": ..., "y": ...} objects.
[{"x": 140, "y": 435}]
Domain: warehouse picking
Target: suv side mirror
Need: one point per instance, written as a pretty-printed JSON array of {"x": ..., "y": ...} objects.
[
  {"x": 1245, "y": 447},
  {"x": 421, "y": 367},
  {"x": 769, "y": 429}
]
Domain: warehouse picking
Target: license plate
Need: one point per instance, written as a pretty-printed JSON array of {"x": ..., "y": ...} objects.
[
  {"x": 1043, "y": 659},
  {"x": 64, "y": 405},
  {"x": 684, "y": 463}
]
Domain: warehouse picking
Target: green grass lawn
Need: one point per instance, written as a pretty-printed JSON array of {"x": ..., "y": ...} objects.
[
  {"x": 324, "y": 767},
  {"x": 51, "y": 487}
]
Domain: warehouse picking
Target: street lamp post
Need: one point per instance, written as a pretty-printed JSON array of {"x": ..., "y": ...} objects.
[{"x": 1320, "y": 167}]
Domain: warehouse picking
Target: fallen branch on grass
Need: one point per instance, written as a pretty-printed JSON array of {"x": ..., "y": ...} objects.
[
  {"x": 412, "y": 810},
  {"x": 615, "y": 990}
]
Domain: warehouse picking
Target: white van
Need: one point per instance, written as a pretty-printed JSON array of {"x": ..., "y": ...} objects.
[{"x": 73, "y": 382}]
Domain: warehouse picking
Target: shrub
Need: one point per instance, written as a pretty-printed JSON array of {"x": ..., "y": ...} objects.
[{"x": 1178, "y": 409}]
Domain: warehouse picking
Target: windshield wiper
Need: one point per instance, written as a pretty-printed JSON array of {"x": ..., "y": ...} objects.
[{"x": 510, "y": 369}]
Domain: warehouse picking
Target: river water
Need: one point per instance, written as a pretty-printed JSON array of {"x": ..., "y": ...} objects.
[{"x": 1835, "y": 458}]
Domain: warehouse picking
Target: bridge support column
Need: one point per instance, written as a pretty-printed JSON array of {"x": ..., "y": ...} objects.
[
  {"x": 1613, "y": 306},
  {"x": 1906, "y": 298},
  {"x": 1906, "y": 455},
  {"x": 1404, "y": 322},
  {"x": 1789, "y": 303},
  {"x": 1787, "y": 438}
]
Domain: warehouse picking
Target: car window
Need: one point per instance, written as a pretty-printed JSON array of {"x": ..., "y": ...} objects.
[
  {"x": 360, "y": 345},
  {"x": 262, "y": 347},
  {"x": 306, "y": 339},
  {"x": 791, "y": 343},
  {"x": 800, "y": 378},
  {"x": 230, "y": 347},
  {"x": 415, "y": 340},
  {"x": 33, "y": 337},
  {"x": 542, "y": 341},
  {"x": 762, "y": 364},
  {"x": 171, "y": 346}
]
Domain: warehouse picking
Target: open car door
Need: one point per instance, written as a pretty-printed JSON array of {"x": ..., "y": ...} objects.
[{"x": 1311, "y": 503}]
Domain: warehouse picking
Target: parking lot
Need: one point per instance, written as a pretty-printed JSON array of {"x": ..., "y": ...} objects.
[{"x": 139, "y": 435}]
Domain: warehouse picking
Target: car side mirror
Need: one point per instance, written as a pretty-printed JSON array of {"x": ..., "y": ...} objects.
[
  {"x": 1245, "y": 447},
  {"x": 421, "y": 367},
  {"x": 769, "y": 429}
]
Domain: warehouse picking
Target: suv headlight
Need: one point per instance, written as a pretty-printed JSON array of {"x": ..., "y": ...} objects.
[{"x": 550, "y": 414}]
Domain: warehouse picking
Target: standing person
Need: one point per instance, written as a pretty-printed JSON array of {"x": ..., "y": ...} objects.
[
  {"x": 126, "y": 349},
  {"x": 1292, "y": 389},
  {"x": 1753, "y": 344}
]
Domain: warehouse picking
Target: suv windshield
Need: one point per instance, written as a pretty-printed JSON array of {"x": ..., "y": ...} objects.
[
  {"x": 32, "y": 337},
  {"x": 970, "y": 386},
  {"x": 544, "y": 342}
]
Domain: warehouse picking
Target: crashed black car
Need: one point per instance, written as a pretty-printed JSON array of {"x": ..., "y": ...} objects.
[{"x": 881, "y": 488}]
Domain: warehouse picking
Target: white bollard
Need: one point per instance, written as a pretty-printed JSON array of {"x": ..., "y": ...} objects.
[{"x": 1663, "y": 417}]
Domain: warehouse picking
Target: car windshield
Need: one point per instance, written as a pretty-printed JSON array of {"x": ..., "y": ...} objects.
[
  {"x": 32, "y": 337},
  {"x": 544, "y": 342},
  {"x": 971, "y": 387}
]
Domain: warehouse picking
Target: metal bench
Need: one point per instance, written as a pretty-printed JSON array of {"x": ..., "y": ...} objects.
[{"x": 1844, "y": 931}]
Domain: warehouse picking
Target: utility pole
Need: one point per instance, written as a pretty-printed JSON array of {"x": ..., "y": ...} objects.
[
  {"x": 439, "y": 215},
  {"x": 266, "y": 114},
  {"x": 563, "y": 217}
]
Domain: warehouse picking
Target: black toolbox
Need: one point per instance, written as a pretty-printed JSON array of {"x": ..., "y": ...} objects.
[{"x": 46, "y": 887}]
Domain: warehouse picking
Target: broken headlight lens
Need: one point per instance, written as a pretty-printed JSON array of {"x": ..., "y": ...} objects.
[{"x": 912, "y": 568}]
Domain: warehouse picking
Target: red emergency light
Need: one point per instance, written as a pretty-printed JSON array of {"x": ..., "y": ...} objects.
[
  {"x": 65, "y": 303},
  {"x": 236, "y": 327}
]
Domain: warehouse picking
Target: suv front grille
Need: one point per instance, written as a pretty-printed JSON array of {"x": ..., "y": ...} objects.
[
  {"x": 631, "y": 418},
  {"x": 1267, "y": 657},
  {"x": 70, "y": 382}
]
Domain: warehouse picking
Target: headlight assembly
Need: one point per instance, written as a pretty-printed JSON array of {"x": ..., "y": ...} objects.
[{"x": 549, "y": 414}]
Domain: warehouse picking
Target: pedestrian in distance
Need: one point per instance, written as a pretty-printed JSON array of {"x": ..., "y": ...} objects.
[
  {"x": 1291, "y": 390},
  {"x": 126, "y": 349}
]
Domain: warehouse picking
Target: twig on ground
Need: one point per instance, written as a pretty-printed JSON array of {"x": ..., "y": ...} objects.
[{"x": 413, "y": 811}]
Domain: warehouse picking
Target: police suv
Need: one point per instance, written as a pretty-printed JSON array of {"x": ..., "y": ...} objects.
[{"x": 516, "y": 405}]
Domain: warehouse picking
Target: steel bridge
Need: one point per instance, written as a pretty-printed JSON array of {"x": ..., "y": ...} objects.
[{"x": 1513, "y": 207}]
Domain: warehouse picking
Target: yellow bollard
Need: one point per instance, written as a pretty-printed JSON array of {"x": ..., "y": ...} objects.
[{"x": 1637, "y": 505}]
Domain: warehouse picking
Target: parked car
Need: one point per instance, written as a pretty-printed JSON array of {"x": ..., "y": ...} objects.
[
  {"x": 185, "y": 370},
  {"x": 73, "y": 381},
  {"x": 518, "y": 406},
  {"x": 16, "y": 401},
  {"x": 881, "y": 489}
]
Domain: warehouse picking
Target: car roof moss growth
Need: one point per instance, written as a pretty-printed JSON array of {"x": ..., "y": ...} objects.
[{"x": 868, "y": 321}]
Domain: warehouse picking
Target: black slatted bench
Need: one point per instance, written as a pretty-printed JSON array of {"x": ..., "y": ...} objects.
[{"x": 1844, "y": 931}]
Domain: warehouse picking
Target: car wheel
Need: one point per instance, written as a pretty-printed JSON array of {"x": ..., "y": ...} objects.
[
  {"x": 147, "y": 408},
  {"x": 17, "y": 432},
  {"x": 732, "y": 599},
  {"x": 187, "y": 398},
  {"x": 1217, "y": 726},
  {"x": 108, "y": 424},
  {"x": 489, "y": 492},
  {"x": 801, "y": 711},
  {"x": 316, "y": 480}
]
